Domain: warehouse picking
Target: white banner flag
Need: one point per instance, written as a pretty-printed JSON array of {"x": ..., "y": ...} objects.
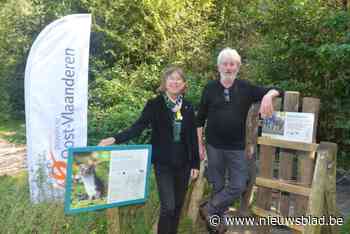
[{"x": 56, "y": 85}]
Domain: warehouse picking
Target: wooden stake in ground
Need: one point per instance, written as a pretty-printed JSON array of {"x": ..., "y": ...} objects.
[
  {"x": 291, "y": 104},
  {"x": 252, "y": 124},
  {"x": 306, "y": 161},
  {"x": 113, "y": 221},
  {"x": 267, "y": 156},
  {"x": 196, "y": 196},
  {"x": 319, "y": 183}
]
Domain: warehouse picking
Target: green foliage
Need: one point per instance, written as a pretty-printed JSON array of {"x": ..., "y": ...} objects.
[
  {"x": 305, "y": 47},
  {"x": 14, "y": 40},
  {"x": 132, "y": 42}
]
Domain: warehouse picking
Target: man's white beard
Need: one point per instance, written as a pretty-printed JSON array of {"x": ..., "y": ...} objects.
[{"x": 225, "y": 77}]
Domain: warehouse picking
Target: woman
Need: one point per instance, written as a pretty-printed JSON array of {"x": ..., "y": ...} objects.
[{"x": 175, "y": 153}]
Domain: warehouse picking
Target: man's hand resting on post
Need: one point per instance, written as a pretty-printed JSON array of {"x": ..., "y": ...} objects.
[{"x": 266, "y": 107}]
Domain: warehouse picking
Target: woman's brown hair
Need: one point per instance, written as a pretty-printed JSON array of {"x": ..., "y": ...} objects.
[{"x": 166, "y": 73}]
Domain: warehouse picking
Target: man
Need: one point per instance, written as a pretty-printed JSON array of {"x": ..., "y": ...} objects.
[{"x": 224, "y": 105}]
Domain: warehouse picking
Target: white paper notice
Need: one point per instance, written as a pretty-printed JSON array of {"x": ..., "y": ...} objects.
[
  {"x": 127, "y": 175},
  {"x": 290, "y": 126},
  {"x": 299, "y": 126}
]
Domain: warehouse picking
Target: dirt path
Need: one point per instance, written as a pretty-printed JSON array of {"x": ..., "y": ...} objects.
[{"x": 12, "y": 158}]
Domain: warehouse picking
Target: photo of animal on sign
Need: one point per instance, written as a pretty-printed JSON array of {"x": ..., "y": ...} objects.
[
  {"x": 100, "y": 177},
  {"x": 90, "y": 177}
]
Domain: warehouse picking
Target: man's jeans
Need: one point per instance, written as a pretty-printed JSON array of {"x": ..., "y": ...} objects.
[{"x": 220, "y": 161}]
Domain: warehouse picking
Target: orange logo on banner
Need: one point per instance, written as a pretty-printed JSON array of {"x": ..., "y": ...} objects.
[{"x": 58, "y": 170}]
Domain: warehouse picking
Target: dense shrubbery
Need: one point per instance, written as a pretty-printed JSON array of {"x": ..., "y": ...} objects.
[{"x": 309, "y": 51}]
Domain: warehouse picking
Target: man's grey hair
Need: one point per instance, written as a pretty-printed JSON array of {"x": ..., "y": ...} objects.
[{"x": 229, "y": 53}]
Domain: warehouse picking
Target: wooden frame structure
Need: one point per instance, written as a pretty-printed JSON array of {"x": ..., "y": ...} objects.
[{"x": 308, "y": 190}]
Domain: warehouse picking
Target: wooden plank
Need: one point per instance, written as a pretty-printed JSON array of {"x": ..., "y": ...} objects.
[
  {"x": 266, "y": 165},
  {"x": 267, "y": 156},
  {"x": 251, "y": 148},
  {"x": 330, "y": 188},
  {"x": 311, "y": 147},
  {"x": 305, "y": 163},
  {"x": 113, "y": 221},
  {"x": 310, "y": 105},
  {"x": 265, "y": 213},
  {"x": 247, "y": 195},
  {"x": 252, "y": 124},
  {"x": 196, "y": 195},
  {"x": 283, "y": 186},
  {"x": 317, "y": 196},
  {"x": 291, "y": 104}
]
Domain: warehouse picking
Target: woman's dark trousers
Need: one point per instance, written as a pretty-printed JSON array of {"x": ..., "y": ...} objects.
[{"x": 172, "y": 184}]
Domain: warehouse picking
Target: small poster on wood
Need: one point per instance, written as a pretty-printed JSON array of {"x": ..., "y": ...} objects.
[{"x": 290, "y": 126}]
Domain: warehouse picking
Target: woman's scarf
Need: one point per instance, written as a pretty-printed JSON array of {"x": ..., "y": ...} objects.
[{"x": 175, "y": 108}]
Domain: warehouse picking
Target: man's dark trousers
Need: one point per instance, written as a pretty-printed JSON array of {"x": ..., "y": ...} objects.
[{"x": 220, "y": 161}]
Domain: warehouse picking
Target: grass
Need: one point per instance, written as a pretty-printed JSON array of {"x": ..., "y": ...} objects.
[
  {"x": 13, "y": 130},
  {"x": 19, "y": 215},
  {"x": 345, "y": 229}
]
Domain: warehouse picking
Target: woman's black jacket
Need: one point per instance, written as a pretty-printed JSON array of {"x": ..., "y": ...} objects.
[{"x": 159, "y": 117}]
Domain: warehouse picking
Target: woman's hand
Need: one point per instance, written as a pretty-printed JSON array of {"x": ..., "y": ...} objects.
[
  {"x": 194, "y": 173},
  {"x": 107, "y": 141}
]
